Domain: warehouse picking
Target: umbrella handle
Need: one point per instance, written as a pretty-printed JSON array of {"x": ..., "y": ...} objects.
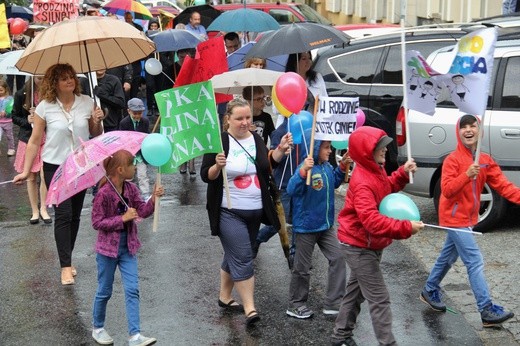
[{"x": 118, "y": 194}]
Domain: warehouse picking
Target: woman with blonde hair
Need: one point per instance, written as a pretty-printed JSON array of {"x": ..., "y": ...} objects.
[{"x": 67, "y": 118}]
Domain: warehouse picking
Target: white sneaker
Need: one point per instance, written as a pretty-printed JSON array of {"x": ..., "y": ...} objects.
[
  {"x": 102, "y": 337},
  {"x": 330, "y": 311},
  {"x": 11, "y": 152},
  {"x": 142, "y": 341}
]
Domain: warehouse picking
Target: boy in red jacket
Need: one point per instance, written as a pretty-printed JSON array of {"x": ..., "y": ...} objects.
[
  {"x": 461, "y": 183},
  {"x": 364, "y": 232}
]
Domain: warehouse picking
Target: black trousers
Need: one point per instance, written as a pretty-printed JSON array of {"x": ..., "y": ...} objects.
[{"x": 66, "y": 219}]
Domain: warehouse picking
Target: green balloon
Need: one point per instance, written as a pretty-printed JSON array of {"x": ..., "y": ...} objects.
[
  {"x": 340, "y": 144},
  {"x": 399, "y": 206}
]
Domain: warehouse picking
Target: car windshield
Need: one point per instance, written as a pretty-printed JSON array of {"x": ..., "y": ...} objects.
[{"x": 311, "y": 15}]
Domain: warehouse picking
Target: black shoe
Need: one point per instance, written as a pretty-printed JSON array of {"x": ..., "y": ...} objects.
[
  {"x": 47, "y": 221},
  {"x": 231, "y": 306},
  {"x": 252, "y": 318},
  {"x": 34, "y": 221}
]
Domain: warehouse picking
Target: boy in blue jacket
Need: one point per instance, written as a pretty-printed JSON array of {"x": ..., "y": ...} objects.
[{"x": 313, "y": 221}]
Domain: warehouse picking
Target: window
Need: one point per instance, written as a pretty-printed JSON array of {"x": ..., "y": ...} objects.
[
  {"x": 284, "y": 16},
  {"x": 357, "y": 67},
  {"x": 511, "y": 88}
]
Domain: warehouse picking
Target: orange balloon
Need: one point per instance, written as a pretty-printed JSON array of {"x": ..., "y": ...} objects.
[{"x": 283, "y": 111}]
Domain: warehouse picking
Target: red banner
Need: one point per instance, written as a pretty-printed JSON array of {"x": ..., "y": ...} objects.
[
  {"x": 211, "y": 61},
  {"x": 54, "y": 11}
]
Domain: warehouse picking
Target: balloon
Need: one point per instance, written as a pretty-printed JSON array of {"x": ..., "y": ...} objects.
[
  {"x": 399, "y": 206},
  {"x": 156, "y": 149},
  {"x": 278, "y": 105},
  {"x": 299, "y": 123},
  {"x": 340, "y": 144},
  {"x": 153, "y": 66},
  {"x": 291, "y": 91},
  {"x": 9, "y": 106},
  {"x": 18, "y": 26},
  {"x": 199, "y": 2},
  {"x": 10, "y": 20},
  {"x": 360, "y": 118}
]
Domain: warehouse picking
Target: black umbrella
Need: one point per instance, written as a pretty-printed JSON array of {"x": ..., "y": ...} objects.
[
  {"x": 15, "y": 11},
  {"x": 297, "y": 38},
  {"x": 207, "y": 13}
]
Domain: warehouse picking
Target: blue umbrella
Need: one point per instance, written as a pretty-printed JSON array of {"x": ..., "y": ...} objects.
[
  {"x": 244, "y": 19},
  {"x": 174, "y": 40},
  {"x": 15, "y": 11}
]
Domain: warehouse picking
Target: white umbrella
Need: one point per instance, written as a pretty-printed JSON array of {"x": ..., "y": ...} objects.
[
  {"x": 7, "y": 62},
  {"x": 233, "y": 82}
]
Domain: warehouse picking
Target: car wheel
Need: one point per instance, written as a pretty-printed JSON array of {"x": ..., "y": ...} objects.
[{"x": 493, "y": 207}]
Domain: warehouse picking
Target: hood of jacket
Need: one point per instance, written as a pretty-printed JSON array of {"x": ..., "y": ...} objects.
[{"x": 362, "y": 143}]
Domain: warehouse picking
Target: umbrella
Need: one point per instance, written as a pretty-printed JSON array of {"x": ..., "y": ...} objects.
[
  {"x": 234, "y": 81},
  {"x": 84, "y": 167},
  {"x": 207, "y": 13},
  {"x": 15, "y": 11},
  {"x": 174, "y": 40},
  {"x": 244, "y": 19},
  {"x": 88, "y": 44},
  {"x": 237, "y": 59},
  {"x": 120, "y": 7},
  {"x": 297, "y": 38},
  {"x": 156, "y": 10},
  {"x": 8, "y": 61}
]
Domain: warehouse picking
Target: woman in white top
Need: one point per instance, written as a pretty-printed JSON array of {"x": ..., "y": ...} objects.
[{"x": 66, "y": 117}]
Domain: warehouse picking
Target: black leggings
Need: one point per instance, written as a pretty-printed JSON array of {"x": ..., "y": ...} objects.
[{"x": 66, "y": 219}]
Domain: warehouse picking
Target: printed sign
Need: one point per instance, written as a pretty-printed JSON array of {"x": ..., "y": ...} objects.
[
  {"x": 336, "y": 118},
  {"x": 54, "y": 11}
]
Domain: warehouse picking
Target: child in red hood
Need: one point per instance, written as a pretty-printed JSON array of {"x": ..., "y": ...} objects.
[
  {"x": 461, "y": 183},
  {"x": 364, "y": 232}
]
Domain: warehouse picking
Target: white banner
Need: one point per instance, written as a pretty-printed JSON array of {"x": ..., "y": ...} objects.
[{"x": 336, "y": 118}]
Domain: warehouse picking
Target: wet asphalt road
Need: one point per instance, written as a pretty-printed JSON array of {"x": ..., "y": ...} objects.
[{"x": 179, "y": 282}]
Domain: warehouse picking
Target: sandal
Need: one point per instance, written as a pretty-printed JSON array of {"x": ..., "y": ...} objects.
[
  {"x": 231, "y": 306},
  {"x": 251, "y": 318},
  {"x": 66, "y": 276}
]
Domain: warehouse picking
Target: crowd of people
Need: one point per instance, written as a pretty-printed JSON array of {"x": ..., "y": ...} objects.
[{"x": 57, "y": 111}]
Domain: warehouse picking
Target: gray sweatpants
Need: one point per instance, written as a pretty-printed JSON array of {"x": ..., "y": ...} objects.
[
  {"x": 365, "y": 282},
  {"x": 300, "y": 277}
]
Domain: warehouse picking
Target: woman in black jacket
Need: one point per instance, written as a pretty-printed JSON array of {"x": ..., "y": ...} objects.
[{"x": 248, "y": 165}]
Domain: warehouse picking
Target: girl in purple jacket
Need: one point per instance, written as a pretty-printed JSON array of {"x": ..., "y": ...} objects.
[{"x": 117, "y": 243}]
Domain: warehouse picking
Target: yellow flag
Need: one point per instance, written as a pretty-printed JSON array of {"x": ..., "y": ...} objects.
[{"x": 5, "y": 41}]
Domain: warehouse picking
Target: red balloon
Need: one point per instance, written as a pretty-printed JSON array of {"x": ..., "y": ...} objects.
[
  {"x": 18, "y": 26},
  {"x": 9, "y": 20},
  {"x": 291, "y": 91}
]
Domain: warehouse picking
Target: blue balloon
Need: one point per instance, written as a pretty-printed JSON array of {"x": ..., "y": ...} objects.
[
  {"x": 156, "y": 149},
  {"x": 399, "y": 206},
  {"x": 299, "y": 122}
]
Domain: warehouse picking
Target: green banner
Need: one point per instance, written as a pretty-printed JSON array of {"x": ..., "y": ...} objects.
[{"x": 189, "y": 119}]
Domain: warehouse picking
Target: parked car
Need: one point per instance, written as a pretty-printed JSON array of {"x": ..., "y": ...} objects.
[
  {"x": 370, "y": 68},
  {"x": 284, "y": 13},
  {"x": 432, "y": 138}
]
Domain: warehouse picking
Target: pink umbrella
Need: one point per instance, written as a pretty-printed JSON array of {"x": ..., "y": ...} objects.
[{"x": 84, "y": 167}]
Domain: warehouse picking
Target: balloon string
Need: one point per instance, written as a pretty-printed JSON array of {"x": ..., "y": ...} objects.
[{"x": 453, "y": 229}]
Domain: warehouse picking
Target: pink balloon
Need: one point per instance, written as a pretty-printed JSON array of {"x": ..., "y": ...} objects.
[
  {"x": 291, "y": 91},
  {"x": 360, "y": 118}
]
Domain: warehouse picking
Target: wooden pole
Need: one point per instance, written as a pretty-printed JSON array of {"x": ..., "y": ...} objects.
[
  {"x": 157, "y": 202},
  {"x": 311, "y": 145}
]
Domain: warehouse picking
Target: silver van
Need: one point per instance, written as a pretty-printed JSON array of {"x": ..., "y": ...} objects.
[{"x": 433, "y": 137}]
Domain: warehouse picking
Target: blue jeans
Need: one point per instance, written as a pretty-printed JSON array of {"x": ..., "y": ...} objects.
[
  {"x": 265, "y": 233},
  {"x": 106, "y": 269},
  {"x": 463, "y": 245}
]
